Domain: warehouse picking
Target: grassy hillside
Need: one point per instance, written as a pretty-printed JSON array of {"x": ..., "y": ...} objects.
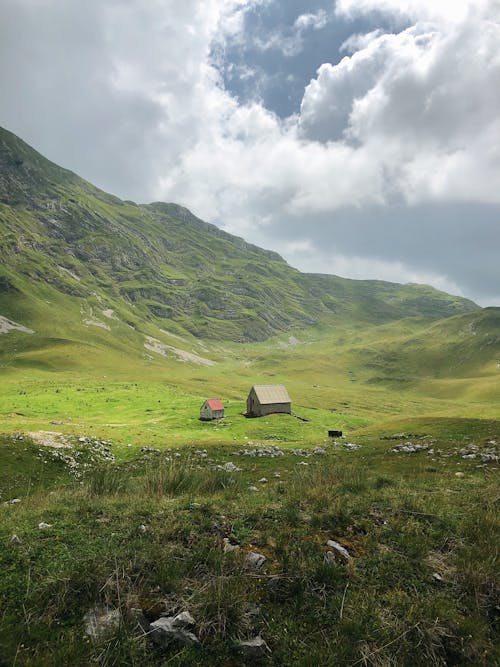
[
  {"x": 419, "y": 585},
  {"x": 159, "y": 265},
  {"x": 116, "y": 322}
]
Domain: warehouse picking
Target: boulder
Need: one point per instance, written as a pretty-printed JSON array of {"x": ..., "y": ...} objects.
[{"x": 254, "y": 648}]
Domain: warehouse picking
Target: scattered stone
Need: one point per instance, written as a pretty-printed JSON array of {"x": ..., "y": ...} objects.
[
  {"x": 15, "y": 540},
  {"x": 255, "y": 560},
  {"x": 150, "y": 450},
  {"x": 263, "y": 480},
  {"x": 229, "y": 467},
  {"x": 15, "y": 501},
  {"x": 460, "y": 474},
  {"x": 319, "y": 451},
  {"x": 143, "y": 529},
  {"x": 230, "y": 546},
  {"x": 302, "y": 463},
  {"x": 253, "y": 488},
  {"x": 183, "y": 620},
  {"x": 82, "y": 439},
  {"x": 438, "y": 578},
  {"x": 339, "y": 548},
  {"x": 489, "y": 458},
  {"x": 170, "y": 629},
  {"x": 409, "y": 448},
  {"x": 57, "y": 422},
  {"x": 254, "y": 648},
  {"x": 276, "y": 474},
  {"x": 195, "y": 506},
  {"x": 99, "y": 622},
  {"x": 44, "y": 525},
  {"x": 351, "y": 446}
]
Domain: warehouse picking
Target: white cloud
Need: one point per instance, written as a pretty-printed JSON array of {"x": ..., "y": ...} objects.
[{"x": 130, "y": 96}]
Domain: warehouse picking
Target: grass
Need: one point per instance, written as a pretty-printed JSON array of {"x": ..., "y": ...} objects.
[
  {"x": 403, "y": 518},
  {"x": 145, "y": 529}
]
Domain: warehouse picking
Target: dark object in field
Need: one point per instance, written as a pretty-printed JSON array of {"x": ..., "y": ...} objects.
[
  {"x": 334, "y": 434},
  {"x": 266, "y": 399}
]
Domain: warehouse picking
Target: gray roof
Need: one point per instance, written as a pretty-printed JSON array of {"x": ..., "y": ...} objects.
[{"x": 271, "y": 393}]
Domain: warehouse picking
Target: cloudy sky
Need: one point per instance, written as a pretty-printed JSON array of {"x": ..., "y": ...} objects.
[{"x": 356, "y": 137}]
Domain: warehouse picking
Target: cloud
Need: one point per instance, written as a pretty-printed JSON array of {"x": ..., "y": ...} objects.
[{"x": 390, "y": 168}]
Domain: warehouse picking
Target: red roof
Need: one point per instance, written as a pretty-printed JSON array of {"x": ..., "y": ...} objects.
[{"x": 215, "y": 404}]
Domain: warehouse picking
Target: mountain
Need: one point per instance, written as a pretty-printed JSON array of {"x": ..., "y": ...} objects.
[{"x": 66, "y": 242}]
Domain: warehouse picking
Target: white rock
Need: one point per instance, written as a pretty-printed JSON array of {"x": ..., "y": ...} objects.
[
  {"x": 253, "y": 488},
  {"x": 263, "y": 480},
  {"x": 254, "y": 648},
  {"x": 15, "y": 540},
  {"x": 15, "y": 501},
  {"x": 255, "y": 560},
  {"x": 339, "y": 548},
  {"x": 143, "y": 528},
  {"x": 229, "y": 546},
  {"x": 319, "y": 451},
  {"x": 229, "y": 467},
  {"x": 44, "y": 525},
  {"x": 164, "y": 632},
  {"x": 183, "y": 620}
]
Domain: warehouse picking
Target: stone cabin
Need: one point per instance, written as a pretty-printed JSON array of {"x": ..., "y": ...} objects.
[
  {"x": 266, "y": 399},
  {"x": 212, "y": 408}
]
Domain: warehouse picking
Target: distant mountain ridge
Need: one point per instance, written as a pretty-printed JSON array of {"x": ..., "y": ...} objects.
[{"x": 157, "y": 265}]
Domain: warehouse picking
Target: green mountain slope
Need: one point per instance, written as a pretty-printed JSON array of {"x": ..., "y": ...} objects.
[{"x": 71, "y": 252}]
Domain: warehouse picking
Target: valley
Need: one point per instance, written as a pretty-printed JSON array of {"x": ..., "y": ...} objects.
[{"x": 117, "y": 321}]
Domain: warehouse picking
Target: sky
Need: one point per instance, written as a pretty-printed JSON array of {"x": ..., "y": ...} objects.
[{"x": 354, "y": 137}]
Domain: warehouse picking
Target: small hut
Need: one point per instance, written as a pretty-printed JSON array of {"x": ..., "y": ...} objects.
[
  {"x": 212, "y": 408},
  {"x": 266, "y": 399}
]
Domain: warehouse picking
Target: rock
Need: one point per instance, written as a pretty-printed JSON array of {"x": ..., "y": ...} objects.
[
  {"x": 143, "y": 529},
  {"x": 57, "y": 422},
  {"x": 230, "y": 546},
  {"x": 229, "y": 467},
  {"x": 302, "y": 463},
  {"x": 183, "y": 620},
  {"x": 253, "y": 488},
  {"x": 254, "y": 648},
  {"x": 276, "y": 474},
  {"x": 351, "y": 446},
  {"x": 319, "y": 451},
  {"x": 263, "y": 480},
  {"x": 15, "y": 540},
  {"x": 15, "y": 501},
  {"x": 100, "y": 622},
  {"x": 329, "y": 558},
  {"x": 82, "y": 439},
  {"x": 255, "y": 560},
  {"x": 170, "y": 629},
  {"x": 339, "y": 549},
  {"x": 438, "y": 578},
  {"x": 489, "y": 458},
  {"x": 459, "y": 474},
  {"x": 44, "y": 525},
  {"x": 150, "y": 450}
]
